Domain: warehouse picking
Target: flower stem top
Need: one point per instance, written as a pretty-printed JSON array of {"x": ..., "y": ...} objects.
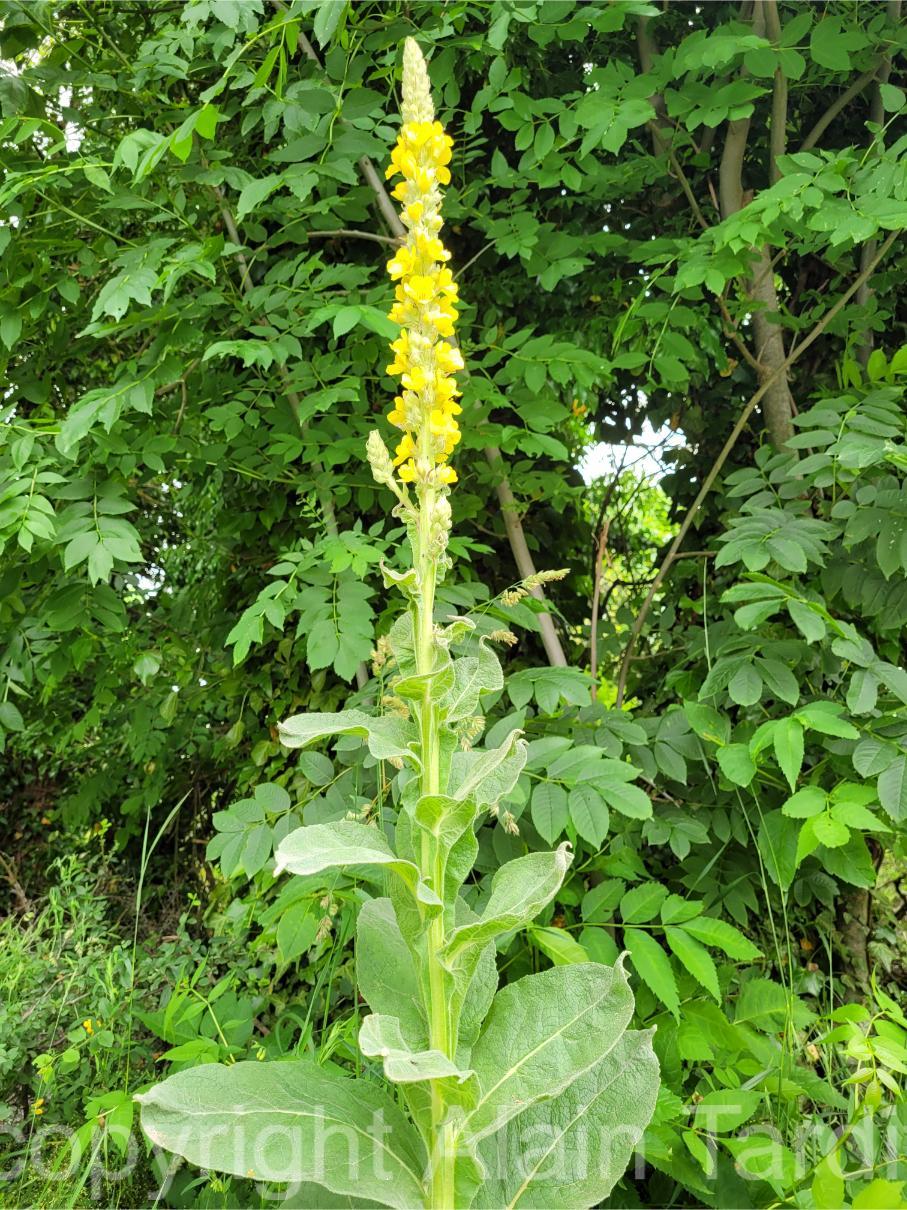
[{"x": 424, "y": 357}]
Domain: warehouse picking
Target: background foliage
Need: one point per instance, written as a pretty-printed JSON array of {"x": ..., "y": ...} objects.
[{"x": 652, "y": 209}]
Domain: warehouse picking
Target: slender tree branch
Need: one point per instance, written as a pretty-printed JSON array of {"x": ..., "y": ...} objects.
[
  {"x": 600, "y": 555},
  {"x": 876, "y": 116},
  {"x": 345, "y": 233},
  {"x": 728, "y": 446},
  {"x": 779, "y": 408},
  {"x": 778, "y": 134},
  {"x": 521, "y": 556},
  {"x": 835, "y": 108}
]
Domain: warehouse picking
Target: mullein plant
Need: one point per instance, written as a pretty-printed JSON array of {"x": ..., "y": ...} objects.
[{"x": 536, "y": 1094}]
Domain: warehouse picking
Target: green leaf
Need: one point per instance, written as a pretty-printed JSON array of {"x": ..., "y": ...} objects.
[
  {"x": 385, "y": 973},
  {"x": 448, "y": 823},
  {"x": 880, "y": 1194},
  {"x": 788, "y": 743},
  {"x": 892, "y": 785},
  {"x": 257, "y": 849},
  {"x": 736, "y": 764},
  {"x": 558, "y": 945},
  {"x": 584, "y": 1136},
  {"x": 723, "y": 936},
  {"x": 724, "y": 1110},
  {"x": 851, "y": 862},
  {"x": 381, "y": 1036},
  {"x": 285, "y": 1122},
  {"x": 486, "y": 776},
  {"x": 331, "y": 846},
  {"x": 642, "y": 903},
  {"x": 828, "y": 1183},
  {"x": 628, "y": 799},
  {"x": 811, "y": 800},
  {"x": 695, "y": 958},
  {"x": 830, "y": 831},
  {"x": 810, "y": 624},
  {"x": 778, "y": 846},
  {"x": 653, "y": 966},
  {"x": 745, "y": 686},
  {"x": 252, "y": 195},
  {"x": 826, "y": 718},
  {"x": 766, "y": 1005},
  {"x": 473, "y": 676},
  {"x": 387, "y": 737},
  {"x": 543, "y": 1031},
  {"x": 296, "y": 930},
  {"x": 589, "y": 814},
  {"x": 549, "y": 810},
  {"x": 519, "y": 891},
  {"x": 10, "y": 717},
  {"x": 707, "y": 722},
  {"x": 327, "y": 18}
]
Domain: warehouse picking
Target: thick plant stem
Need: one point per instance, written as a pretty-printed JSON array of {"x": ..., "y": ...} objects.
[{"x": 440, "y": 1038}]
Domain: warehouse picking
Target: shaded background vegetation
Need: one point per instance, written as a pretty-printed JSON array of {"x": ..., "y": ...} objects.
[{"x": 651, "y": 207}]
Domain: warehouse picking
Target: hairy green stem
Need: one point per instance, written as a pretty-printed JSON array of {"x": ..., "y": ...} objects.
[{"x": 443, "y": 1153}]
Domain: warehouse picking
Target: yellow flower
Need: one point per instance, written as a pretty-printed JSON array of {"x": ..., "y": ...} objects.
[
  {"x": 425, "y": 291},
  {"x": 38, "y": 1107},
  {"x": 87, "y": 1026}
]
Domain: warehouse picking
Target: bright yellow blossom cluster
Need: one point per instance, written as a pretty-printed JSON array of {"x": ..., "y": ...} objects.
[{"x": 426, "y": 293}]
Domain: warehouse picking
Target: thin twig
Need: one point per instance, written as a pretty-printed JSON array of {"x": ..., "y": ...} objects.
[
  {"x": 713, "y": 474},
  {"x": 346, "y": 233},
  {"x": 601, "y": 554},
  {"x": 835, "y": 108}
]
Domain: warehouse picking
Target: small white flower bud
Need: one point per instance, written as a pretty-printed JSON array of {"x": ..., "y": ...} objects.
[{"x": 417, "y": 103}]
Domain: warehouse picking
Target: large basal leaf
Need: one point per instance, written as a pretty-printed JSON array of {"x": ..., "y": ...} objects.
[
  {"x": 327, "y": 846},
  {"x": 570, "y": 1151},
  {"x": 543, "y": 1031},
  {"x": 386, "y": 737},
  {"x": 286, "y": 1122}
]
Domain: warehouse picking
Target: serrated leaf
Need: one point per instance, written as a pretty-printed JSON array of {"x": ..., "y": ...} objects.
[
  {"x": 777, "y": 840},
  {"x": 809, "y": 801},
  {"x": 549, "y": 810},
  {"x": 626, "y": 798},
  {"x": 653, "y": 966},
  {"x": 736, "y": 764},
  {"x": 723, "y": 936},
  {"x": 695, "y": 958},
  {"x": 589, "y": 814},
  {"x": 642, "y": 903},
  {"x": 892, "y": 786},
  {"x": 788, "y": 744},
  {"x": 724, "y": 1110},
  {"x": 745, "y": 686}
]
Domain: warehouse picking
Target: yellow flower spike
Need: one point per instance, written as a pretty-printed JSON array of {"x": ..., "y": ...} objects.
[{"x": 425, "y": 294}]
